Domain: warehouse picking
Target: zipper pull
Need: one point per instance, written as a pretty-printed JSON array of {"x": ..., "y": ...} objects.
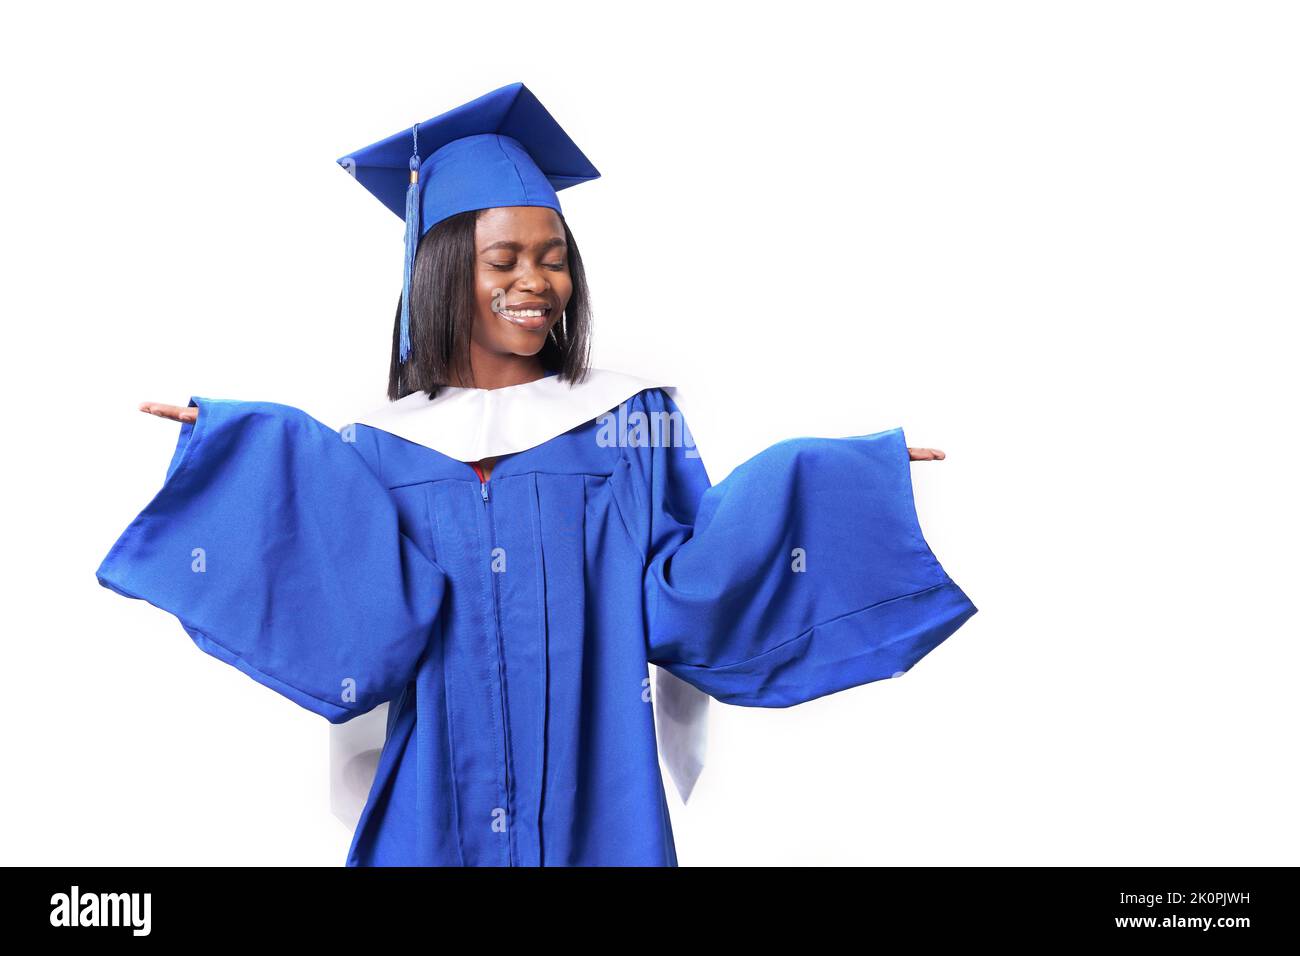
[{"x": 482, "y": 487}]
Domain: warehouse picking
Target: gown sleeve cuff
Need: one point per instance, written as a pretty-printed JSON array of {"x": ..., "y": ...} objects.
[{"x": 883, "y": 640}]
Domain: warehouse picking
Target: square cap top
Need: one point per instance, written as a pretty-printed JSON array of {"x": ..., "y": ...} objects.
[{"x": 502, "y": 149}]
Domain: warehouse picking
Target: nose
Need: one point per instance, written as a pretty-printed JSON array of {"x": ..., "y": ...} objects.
[{"x": 532, "y": 279}]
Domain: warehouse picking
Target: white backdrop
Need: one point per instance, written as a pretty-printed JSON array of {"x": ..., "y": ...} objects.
[{"x": 1056, "y": 240}]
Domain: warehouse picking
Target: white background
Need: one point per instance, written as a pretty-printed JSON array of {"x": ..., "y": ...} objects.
[{"x": 1058, "y": 241}]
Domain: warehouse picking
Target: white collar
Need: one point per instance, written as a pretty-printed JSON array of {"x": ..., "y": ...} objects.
[{"x": 470, "y": 424}]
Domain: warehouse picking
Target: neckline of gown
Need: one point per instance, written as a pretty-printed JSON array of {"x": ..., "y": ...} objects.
[
  {"x": 549, "y": 373},
  {"x": 471, "y": 424}
]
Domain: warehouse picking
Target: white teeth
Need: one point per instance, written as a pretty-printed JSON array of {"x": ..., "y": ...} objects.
[{"x": 524, "y": 313}]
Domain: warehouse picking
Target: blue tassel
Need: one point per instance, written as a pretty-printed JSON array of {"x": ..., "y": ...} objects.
[{"x": 412, "y": 240}]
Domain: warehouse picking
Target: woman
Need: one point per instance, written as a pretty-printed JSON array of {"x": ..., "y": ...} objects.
[{"x": 503, "y": 550}]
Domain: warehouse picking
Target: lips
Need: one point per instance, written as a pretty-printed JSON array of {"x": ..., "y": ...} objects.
[{"x": 531, "y": 318}]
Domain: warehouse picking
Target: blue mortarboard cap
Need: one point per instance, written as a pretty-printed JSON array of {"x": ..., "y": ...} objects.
[{"x": 502, "y": 149}]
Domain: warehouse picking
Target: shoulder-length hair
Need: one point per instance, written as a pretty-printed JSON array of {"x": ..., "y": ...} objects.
[{"x": 443, "y": 306}]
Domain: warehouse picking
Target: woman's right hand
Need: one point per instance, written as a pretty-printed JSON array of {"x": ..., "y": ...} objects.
[{"x": 176, "y": 413}]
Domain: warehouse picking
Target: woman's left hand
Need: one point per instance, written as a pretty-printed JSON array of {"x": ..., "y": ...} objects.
[{"x": 925, "y": 454}]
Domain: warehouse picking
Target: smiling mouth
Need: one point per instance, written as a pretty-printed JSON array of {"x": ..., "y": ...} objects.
[{"x": 531, "y": 319}]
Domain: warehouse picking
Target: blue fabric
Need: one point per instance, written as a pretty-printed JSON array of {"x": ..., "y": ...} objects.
[
  {"x": 501, "y": 149},
  {"x": 512, "y": 621}
]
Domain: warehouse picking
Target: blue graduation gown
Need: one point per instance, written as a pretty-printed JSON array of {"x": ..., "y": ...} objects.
[{"x": 511, "y": 622}]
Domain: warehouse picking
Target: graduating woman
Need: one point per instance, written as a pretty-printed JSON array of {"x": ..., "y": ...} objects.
[{"x": 501, "y": 551}]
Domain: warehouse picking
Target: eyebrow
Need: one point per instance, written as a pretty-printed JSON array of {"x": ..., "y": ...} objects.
[{"x": 516, "y": 246}]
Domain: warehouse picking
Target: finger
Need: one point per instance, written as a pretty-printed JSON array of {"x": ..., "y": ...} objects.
[
  {"x": 174, "y": 412},
  {"x": 925, "y": 454},
  {"x": 160, "y": 409}
]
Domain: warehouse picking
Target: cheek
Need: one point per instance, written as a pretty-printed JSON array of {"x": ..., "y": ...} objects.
[
  {"x": 486, "y": 292},
  {"x": 562, "y": 286}
]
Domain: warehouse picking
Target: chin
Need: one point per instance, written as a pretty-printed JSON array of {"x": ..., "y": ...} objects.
[{"x": 525, "y": 344}]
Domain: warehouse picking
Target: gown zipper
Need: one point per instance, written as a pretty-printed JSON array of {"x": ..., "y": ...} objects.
[{"x": 501, "y": 680}]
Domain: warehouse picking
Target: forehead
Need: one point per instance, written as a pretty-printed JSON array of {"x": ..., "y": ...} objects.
[{"x": 524, "y": 224}]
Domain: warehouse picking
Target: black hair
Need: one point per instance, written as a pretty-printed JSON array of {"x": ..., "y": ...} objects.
[{"x": 443, "y": 306}]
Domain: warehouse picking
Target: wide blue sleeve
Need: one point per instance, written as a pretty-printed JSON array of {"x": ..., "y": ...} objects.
[
  {"x": 802, "y": 573},
  {"x": 277, "y": 546}
]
